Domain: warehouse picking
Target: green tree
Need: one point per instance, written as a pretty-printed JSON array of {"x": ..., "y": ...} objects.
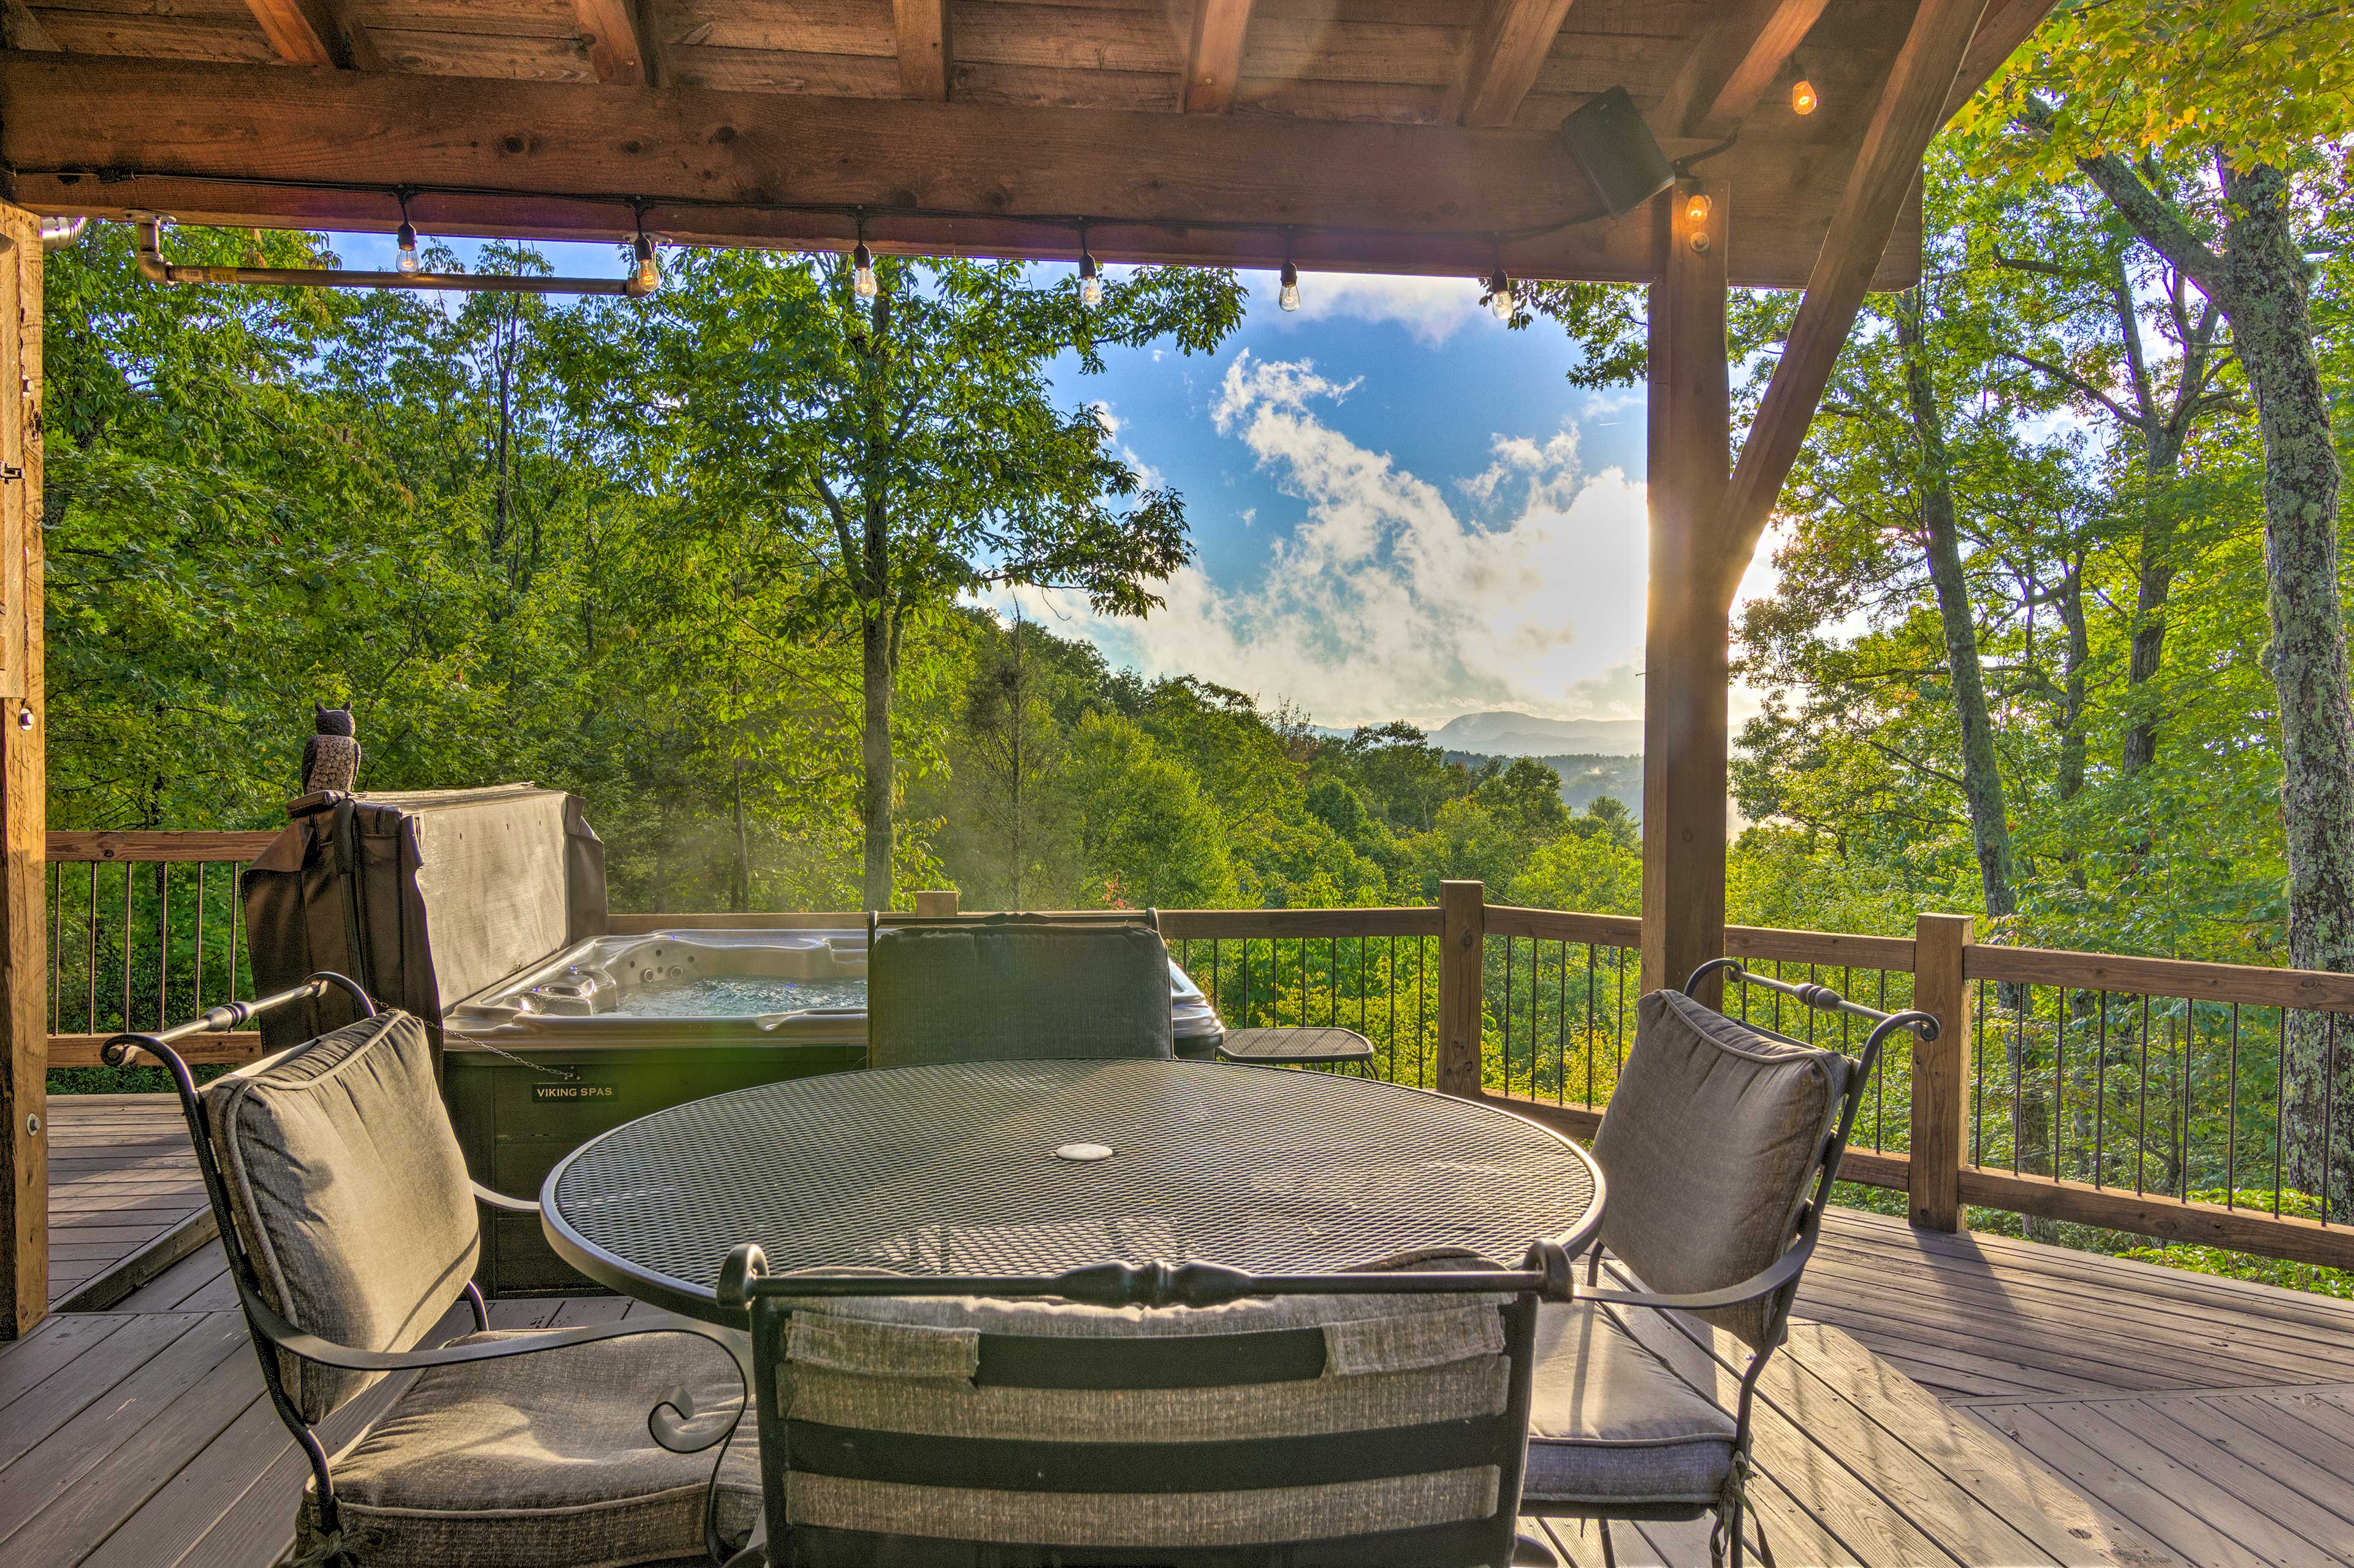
[{"x": 889, "y": 455}]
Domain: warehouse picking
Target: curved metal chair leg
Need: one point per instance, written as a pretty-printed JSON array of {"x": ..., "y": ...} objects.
[{"x": 1609, "y": 1552}]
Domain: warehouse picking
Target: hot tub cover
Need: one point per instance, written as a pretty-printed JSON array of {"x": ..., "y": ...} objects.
[{"x": 423, "y": 896}]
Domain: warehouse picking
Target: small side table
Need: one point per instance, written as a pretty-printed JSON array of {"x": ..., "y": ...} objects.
[{"x": 1298, "y": 1048}]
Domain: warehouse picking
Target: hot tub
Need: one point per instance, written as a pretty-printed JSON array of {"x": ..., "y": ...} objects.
[
  {"x": 614, "y": 1027},
  {"x": 484, "y": 913}
]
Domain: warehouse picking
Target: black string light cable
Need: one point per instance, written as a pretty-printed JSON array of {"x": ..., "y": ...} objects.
[{"x": 155, "y": 265}]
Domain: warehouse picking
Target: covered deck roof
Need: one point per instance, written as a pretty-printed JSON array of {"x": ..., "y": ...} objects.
[{"x": 1388, "y": 136}]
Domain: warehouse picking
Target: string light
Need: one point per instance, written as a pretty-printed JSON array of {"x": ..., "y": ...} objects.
[
  {"x": 1090, "y": 278},
  {"x": 1802, "y": 97},
  {"x": 405, "y": 257},
  {"x": 649, "y": 271},
  {"x": 1498, "y": 294},
  {"x": 862, "y": 271},
  {"x": 1290, "y": 295}
]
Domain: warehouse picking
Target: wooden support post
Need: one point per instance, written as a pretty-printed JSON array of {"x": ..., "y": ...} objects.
[
  {"x": 934, "y": 900},
  {"x": 1687, "y": 637},
  {"x": 1941, "y": 945},
  {"x": 24, "y": 788},
  {"x": 1462, "y": 953}
]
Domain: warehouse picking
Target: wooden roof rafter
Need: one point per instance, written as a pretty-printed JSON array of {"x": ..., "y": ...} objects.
[
  {"x": 1502, "y": 63},
  {"x": 1723, "y": 80},
  {"x": 316, "y": 33},
  {"x": 1214, "y": 60},
  {"x": 621, "y": 49},
  {"x": 927, "y": 57}
]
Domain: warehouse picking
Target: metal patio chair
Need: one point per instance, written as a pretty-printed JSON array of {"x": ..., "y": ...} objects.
[
  {"x": 996, "y": 987},
  {"x": 1720, "y": 1143},
  {"x": 1255, "y": 1429},
  {"x": 349, "y": 1225}
]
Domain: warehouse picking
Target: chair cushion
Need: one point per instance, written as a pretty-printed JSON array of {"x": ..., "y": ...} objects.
[
  {"x": 1609, "y": 1424},
  {"x": 350, "y": 1191},
  {"x": 1711, "y": 1139},
  {"x": 1015, "y": 992},
  {"x": 543, "y": 1461}
]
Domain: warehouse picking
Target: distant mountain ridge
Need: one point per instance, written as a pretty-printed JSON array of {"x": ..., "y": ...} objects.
[{"x": 1505, "y": 734}]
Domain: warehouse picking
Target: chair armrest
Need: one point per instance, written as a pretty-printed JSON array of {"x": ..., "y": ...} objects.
[
  {"x": 1766, "y": 1281},
  {"x": 501, "y": 1200}
]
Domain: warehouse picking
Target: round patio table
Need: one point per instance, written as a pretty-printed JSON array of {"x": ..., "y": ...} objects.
[{"x": 990, "y": 1169}]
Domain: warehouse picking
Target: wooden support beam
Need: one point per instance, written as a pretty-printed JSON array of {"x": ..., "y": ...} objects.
[
  {"x": 1941, "y": 1100},
  {"x": 616, "y": 42},
  {"x": 1723, "y": 78},
  {"x": 1505, "y": 56},
  {"x": 1911, "y": 106},
  {"x": 1687, "y": 636},
  {"x": 24, "y": 790},
  {"x": 1462, "y": 970},
  {"x": 2005, "y": 26},
  {"x": 927, "y": 57},
  {"x": 239, "y": 145},
  {"x": 316, "y": 33},
  {"x": 1215, "y": 63}
]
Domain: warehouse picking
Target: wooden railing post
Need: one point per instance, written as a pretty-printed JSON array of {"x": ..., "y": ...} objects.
[
  {"x": 1462, "y": 946},
  {"x": 1941, "y": 944},
  {"x": 934, "y": 900}
]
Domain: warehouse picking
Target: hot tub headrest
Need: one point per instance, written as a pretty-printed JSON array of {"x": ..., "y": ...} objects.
[{"x": 423, "y": 896}]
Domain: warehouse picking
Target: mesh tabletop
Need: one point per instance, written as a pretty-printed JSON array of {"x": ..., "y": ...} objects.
[{"x": 998, "y": 1168}]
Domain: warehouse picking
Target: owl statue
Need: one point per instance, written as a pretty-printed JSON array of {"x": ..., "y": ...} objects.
[{"x": 331, "y": 758}]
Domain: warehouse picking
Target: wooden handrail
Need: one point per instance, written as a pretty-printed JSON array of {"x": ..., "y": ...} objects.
[
  {"x": 2242, "y": 983},
  {"x": 171, "y": 846}
]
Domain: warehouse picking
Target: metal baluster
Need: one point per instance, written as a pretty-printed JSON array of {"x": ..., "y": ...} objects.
[
  {"x": 1618, "y": 1023},
  {"x": 200, "y": 997},
  {"x": 1586, "y": 1049},
  {"x": 236, "y": 897},
  {"x": 1508, "y": 1009},
  {"x": 2280, "y": 1113},
  {"x": 57, "y": 946},
  {"x": 127, "y": 944},
  {"x": 2182, "y": 1133},
  {"x": 1390, "y": 1001},
  {"x": 163, "y": 943},
  {"x": 1421, "y": 1023},
  {"x": 1560, "y": 1026},
  {"x": 2328, "y": 1104},
  {"x": 1977, "y": 1078},
  {"x": 2019, "y": 1074},
  {"x": 91, "y": 943},
  {"x": 2141, "y": 1103},
  {"x": 2231, "y": 1121},
  {"x": 2060, "y": 1087},
  {"x": 2101, "y": 1094}
]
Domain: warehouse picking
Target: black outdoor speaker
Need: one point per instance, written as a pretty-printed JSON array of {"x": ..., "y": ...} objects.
[{"x": 1616, "y": 150}]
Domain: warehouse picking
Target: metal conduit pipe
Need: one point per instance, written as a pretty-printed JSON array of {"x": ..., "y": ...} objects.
[{"x": 153, "y": 264}]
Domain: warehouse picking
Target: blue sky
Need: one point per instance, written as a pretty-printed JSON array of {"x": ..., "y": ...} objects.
[{"x": 1400, "y": 509}]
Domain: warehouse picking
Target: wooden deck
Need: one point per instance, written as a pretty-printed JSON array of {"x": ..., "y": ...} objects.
[
  {"x": 122, "y": 1180},
  {"x": 1950, "y": 1400}
]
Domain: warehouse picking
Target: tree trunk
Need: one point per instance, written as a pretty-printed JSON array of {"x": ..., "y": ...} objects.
[
  {"x": 875, "y": 755},
  {"x": 1981, "y": 777},
  {"x": 2272, "y": 326}
]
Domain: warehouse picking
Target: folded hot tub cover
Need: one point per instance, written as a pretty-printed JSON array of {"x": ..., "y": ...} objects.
[{"x": 422, "y": 896}]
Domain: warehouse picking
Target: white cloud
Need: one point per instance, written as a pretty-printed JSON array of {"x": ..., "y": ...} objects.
[
  {"x": 1384, "y": 601},
  {"x": 1432, "y": 308}
]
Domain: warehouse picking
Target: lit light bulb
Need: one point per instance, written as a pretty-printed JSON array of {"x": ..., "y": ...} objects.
[
  {"x": 406, "y": 258},
  {"x": 1697, "y": 207},
  {"x": 1090, "y": 280},
  {"x": 1290, "y": 295},
  {"x": 1499, "y": 295},
  {"x": 1802, "y": 97},
  {"x": 862, "y": 271},
  {"x": 649, "y": 271}
]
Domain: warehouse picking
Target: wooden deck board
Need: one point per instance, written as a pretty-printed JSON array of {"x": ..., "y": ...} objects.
[{"x": 121, "y": 1176}]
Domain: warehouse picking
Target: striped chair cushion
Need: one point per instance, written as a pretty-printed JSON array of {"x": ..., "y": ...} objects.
[{"x": 1301, "y": 1430}]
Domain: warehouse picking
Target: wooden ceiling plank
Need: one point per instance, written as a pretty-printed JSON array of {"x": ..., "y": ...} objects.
[
  {"x": 616, "y": 41},
  {"x": 263, "y": 146},
  {"x": 927, "y": 60},
  {"x": 1910, "y": 111},
  {"x": 1724, "y": 78},
  {"x": 1215, "y": 63},
  {"x": 316, "y": 33},
  {"x": 1505, "y": 56},
  {"x": 2007, "y": 26}
]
